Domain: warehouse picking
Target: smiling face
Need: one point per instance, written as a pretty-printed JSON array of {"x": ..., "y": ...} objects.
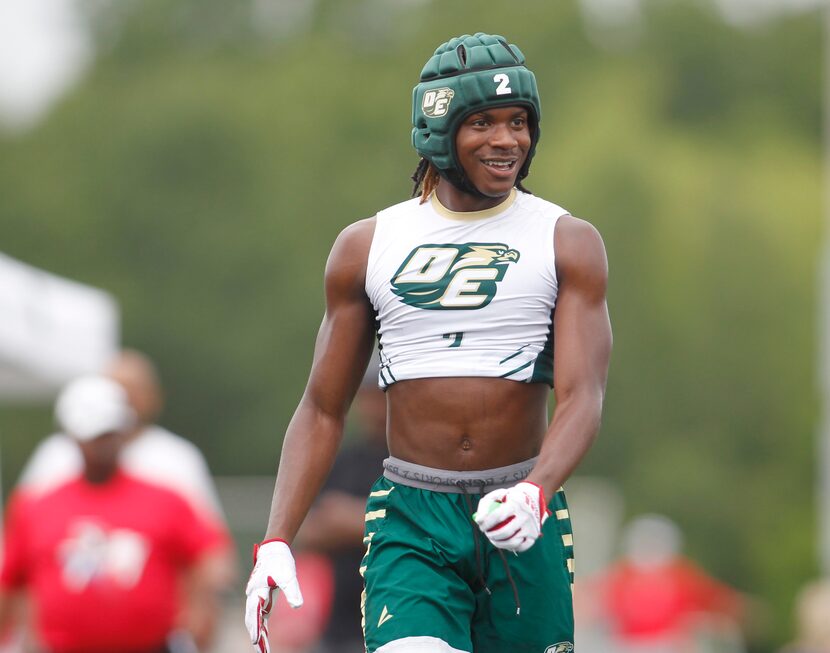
[{"x": 492, "y": 146}]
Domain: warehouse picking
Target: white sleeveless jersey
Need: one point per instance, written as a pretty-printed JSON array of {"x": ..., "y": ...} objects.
[{"x": 465, "y": 294}]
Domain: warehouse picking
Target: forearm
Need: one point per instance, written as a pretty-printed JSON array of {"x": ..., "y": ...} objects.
[
  {"x": 512, "y": 518},
  {"x": 571, "y": 433},
  {"x": 204, "y": 584},
  {"x": 200, "y": 617},
  {"x": 308, "y": 452},
  {"x": 10, "y": 607}
]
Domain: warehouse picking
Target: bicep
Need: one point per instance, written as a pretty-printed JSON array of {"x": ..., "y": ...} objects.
[
  {"x": 582, "y": 328},
  {"x": 345, "y": 338}
]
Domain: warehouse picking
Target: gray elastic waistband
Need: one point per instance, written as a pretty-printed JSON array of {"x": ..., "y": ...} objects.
[{"x": 442, "y": 480}]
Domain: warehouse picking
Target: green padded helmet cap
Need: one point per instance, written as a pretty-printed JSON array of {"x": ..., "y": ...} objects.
[{"x": 467, "y": 74}]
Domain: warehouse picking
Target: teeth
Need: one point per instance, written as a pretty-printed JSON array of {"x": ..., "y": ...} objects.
[{"x": 499, "y": 164}]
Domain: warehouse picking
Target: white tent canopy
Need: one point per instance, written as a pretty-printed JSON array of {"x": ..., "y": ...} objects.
[{"x": 51, "y": 330}]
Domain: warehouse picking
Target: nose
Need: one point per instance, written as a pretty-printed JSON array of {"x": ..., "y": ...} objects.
[{"x": 503, "y": 136}]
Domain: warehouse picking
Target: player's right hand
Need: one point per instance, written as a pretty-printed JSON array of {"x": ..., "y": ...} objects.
[{"x": 274, "y": 569}]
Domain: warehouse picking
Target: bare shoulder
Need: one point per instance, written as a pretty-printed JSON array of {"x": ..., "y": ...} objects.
[
  {"x": 355, "y": 238},
  {"x": 346, "y": 266},
  {"x": 580, "y": 252}
]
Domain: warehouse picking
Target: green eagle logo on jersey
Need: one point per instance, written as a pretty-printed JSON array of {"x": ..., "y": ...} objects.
[{"x": 452, "y": 277}]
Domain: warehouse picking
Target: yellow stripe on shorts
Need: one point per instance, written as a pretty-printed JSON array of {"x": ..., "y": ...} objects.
[{"x": 375, "y": 514}]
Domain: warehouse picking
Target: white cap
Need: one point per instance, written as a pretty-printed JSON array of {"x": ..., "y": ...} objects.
[
  {"x": 652, "y": 540},
  {"x": 91, "y": 406}
]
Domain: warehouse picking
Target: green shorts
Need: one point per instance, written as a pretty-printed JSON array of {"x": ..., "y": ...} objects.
[{"x": 427, "y": 588}]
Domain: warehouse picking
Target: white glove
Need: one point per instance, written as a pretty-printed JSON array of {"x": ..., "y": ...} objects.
[
  {"x": 512, "y": 519},
  {"x": 273, "y": 569}
]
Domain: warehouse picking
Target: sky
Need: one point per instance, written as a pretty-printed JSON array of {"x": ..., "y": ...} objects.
[{"x": 45, "y": 46}]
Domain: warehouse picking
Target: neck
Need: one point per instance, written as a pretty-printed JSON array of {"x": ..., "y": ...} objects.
[
  {"x": 96, "y": 475},
  {"x": 456, "y": 199}
]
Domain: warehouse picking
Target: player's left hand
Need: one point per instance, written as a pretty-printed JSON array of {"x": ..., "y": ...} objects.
[
  {"x": 512, "y": 519},
  {"x": 274, "y": 569}
]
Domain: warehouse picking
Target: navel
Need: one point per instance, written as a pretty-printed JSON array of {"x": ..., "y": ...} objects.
[{"x": 466, "y": 444}]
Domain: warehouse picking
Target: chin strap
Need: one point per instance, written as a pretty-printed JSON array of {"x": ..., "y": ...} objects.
[{"x": 459, "y": 179}]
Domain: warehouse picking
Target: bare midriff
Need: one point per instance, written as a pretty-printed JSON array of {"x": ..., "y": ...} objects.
[{"x": 466, "y": 424}]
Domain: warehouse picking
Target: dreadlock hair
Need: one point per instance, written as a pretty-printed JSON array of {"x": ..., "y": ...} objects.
[{"x": 426, "y": 180}]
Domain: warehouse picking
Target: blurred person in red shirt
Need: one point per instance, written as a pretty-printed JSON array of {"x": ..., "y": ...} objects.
[
  {"x": 655, "y": 600},
  {"x": 102, "y": 554},
  {"x": 156, "y": 455}
]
